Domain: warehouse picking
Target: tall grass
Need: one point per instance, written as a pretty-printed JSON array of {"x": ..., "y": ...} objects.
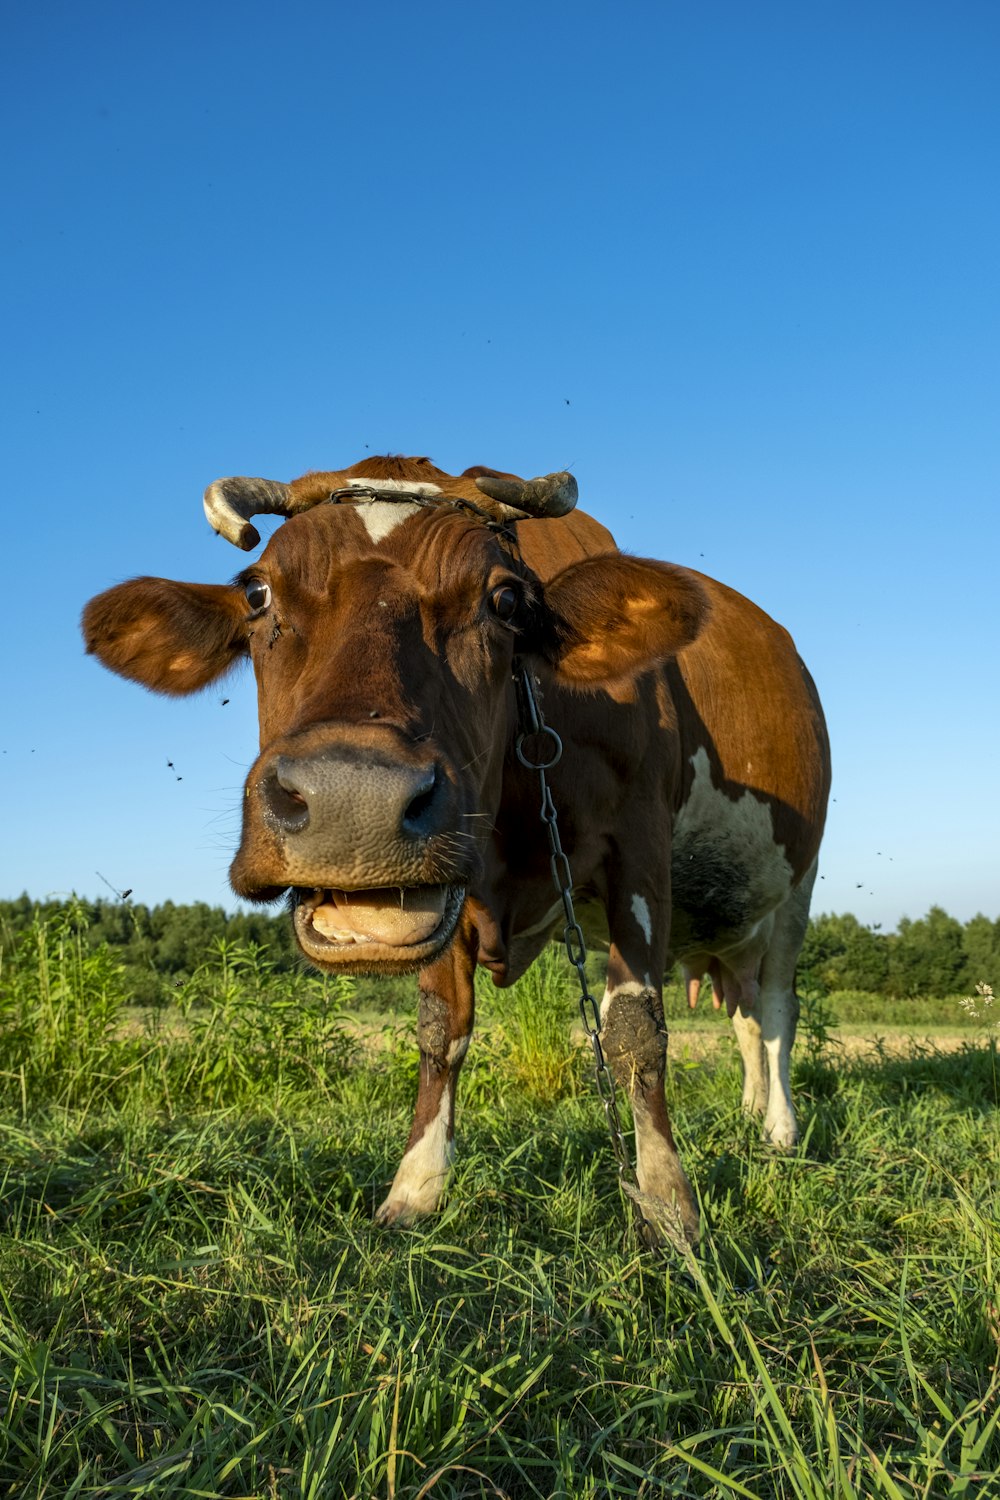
[
  {"x": 194, "y": 1299},
  {"x": 534, "y": 1019},
  {"x": 67, "y": 1039},
  {"x": 59, "y": 1004}
]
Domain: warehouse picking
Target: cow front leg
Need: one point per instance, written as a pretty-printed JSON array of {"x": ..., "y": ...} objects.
[
  {"x": 634, "y": 1039},
  {"x": 444, "y": 1025}
]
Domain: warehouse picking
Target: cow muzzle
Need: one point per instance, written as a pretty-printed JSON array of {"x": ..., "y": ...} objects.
[{"x": 367, "y": 842}]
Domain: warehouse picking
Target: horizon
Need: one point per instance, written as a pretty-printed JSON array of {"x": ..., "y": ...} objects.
[{"x": 277, "y": 909}]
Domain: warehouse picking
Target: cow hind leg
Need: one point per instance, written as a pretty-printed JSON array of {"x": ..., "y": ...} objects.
[
  {"x": 743, "y": 1004},
  {"x": 444, "y": 1026},
  {"x": 765, "y": 1017}
]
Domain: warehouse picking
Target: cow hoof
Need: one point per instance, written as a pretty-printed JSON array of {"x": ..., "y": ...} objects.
[
  {"x": 782, "y": 1134},
  {"x": 401, "y": 1210},
  {"x": 397, "y": 1213}
]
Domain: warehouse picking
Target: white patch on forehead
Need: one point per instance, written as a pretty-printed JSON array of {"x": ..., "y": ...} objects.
[
  {"x": 640, "y": 910},
  {"x": 380, "y": 517}
]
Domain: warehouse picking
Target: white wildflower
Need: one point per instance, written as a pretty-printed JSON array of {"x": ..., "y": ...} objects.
[{"x": 977, "y": 1006}]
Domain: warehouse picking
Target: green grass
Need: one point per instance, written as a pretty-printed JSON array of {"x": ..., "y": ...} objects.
[{"x": 194, "y": 1300}]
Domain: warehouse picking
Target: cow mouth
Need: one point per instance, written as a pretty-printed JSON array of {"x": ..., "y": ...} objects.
[{"x": 380, "y": 930}]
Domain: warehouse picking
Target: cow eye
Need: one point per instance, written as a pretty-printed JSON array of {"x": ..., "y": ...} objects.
[
  {"x": 258, "y": 595},
  {"x": 504, "y": 602}
]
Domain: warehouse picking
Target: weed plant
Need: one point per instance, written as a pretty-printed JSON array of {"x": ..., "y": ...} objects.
[{"x": 194, "y": 1300}]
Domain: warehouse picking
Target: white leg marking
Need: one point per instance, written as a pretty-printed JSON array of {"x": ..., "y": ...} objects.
[
  {"x": 657, "y": 1165},
  {"x": 423, "y": 1172},
  {"x": 640, "y": 910},
  {"x": 748, "y": 1034},
  {"x": 780, "y": 1013},
  {"x": 419, "y": 1184},
  {"x": 629, "y": 988}
]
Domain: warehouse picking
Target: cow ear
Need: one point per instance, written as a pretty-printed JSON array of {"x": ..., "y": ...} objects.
[
  {"x": 172, "y": 637},
  {"x": 615, "y": 615}
]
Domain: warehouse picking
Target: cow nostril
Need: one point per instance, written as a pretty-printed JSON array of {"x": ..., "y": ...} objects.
[
  {"x": 420, "y": 809},
  {"x": 286, "y": 805}
]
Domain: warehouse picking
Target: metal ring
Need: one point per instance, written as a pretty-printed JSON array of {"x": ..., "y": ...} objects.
[{"x": 540, "y": 765}]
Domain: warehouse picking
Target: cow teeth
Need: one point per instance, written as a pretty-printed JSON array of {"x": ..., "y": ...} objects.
[{"x": 334, "y": 934}]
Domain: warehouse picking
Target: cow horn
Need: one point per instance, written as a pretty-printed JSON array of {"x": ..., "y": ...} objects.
[
  {"x": 229, "y": 504},
  {"x": 550, "y": 495}
]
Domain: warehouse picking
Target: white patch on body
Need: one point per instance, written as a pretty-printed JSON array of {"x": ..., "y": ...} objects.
[
  {"x": 640, "y": 910},
  {"x": 715, "y": 834}
]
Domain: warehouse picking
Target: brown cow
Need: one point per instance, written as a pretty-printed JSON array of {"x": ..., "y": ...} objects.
[{"x": 382, "y": 621}]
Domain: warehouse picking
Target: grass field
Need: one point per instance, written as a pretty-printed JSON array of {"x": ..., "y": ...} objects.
[{"x": 194, "y": 1300}]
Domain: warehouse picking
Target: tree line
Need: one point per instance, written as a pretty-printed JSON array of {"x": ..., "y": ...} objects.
[
  {"x": 160, "y": 946},
  {"x": 935, "y": 955}
]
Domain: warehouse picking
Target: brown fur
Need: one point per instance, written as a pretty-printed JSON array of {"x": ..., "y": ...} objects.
[
  {"x": 634, "y": 611},
  {"x": 316, "y": 485},
  {"x": 390, "y": 654},
  {"x": 172, "y": 637}
]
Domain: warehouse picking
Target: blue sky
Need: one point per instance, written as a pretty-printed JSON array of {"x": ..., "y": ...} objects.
[{"x": 734, "y": 264}]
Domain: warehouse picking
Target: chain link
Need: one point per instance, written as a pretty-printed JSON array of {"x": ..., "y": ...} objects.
[{"x": 532, "y": 725}]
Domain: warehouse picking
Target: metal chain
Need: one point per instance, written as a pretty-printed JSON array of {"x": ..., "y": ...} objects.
[{"x": 532, "y": 724}]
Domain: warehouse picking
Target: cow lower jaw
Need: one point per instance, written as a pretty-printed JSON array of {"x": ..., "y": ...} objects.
[{"x": 388, "y": 929}]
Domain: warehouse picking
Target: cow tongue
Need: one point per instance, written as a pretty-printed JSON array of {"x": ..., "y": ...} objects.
[{"x": 390, "y": 915}]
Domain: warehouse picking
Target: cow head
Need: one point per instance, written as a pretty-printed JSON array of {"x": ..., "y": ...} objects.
[{"x": 382, "y": 626}]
